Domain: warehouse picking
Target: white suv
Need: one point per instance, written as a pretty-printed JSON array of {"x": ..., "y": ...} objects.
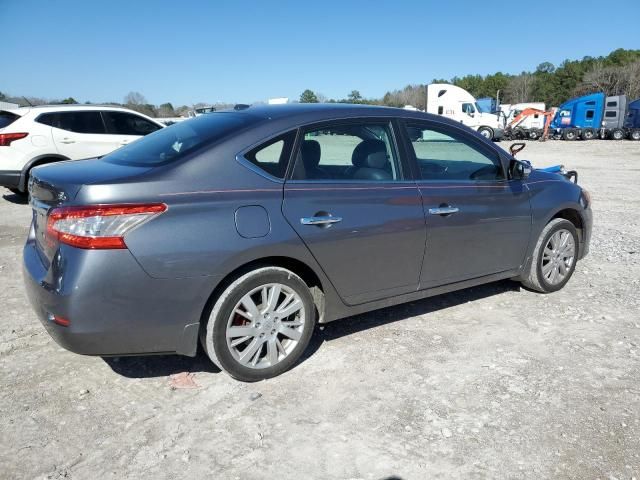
[{"x": 31, "y": 136}]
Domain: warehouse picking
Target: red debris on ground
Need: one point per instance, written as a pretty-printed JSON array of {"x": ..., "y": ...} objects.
[{"x": 182, "y": 380}]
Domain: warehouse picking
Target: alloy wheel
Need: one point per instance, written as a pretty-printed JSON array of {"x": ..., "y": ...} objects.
[
  {"x": 558, "y": 257},
  {"x": 265, "y": 325}
]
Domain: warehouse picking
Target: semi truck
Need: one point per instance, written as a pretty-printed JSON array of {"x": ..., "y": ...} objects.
[
  {"x": 458, "y": 104},
  {"x": 632, "y": 121},
  {"x": 596, "y": 115}
]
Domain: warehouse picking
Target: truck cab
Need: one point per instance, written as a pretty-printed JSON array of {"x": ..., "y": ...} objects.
[
  {"x": 581, "y": 112},
  {"x": 459, "y": 105},
  {"x": 633, "y": 115},
  {"x": 614, "y": 112}
]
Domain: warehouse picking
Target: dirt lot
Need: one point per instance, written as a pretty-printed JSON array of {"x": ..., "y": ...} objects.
[{"x": 491, "y": 382}]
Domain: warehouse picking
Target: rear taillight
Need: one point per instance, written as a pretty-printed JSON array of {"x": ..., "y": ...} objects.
[
  {"x": 98, "y": 226},
  {"x": 7, "y": 138}
]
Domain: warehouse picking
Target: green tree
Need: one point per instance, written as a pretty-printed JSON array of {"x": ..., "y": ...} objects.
[
  {"x": 3, "y": 97},
  {"x": 354, "y": 97},
  {"x": 545, "y": 67},
  {"x": 166, "y": 110},
  {"x": 308, "y": 97},
  {"x": 69, "y": 101}
]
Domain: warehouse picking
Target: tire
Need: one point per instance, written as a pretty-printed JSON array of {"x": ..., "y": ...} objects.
[
  {"x": 17, "y": 192},
  {"x": 534, "y": 134},
  {"x": 569, "y": 134},
  {"x": 617, "y": 134},
  {"x": 588, "y": 134},
  {"x": 486, "y": 132},
  {"x": 635, "y": 134},
  {"x": 535, "y": 278},
  {"x": 267, "y": 335}
]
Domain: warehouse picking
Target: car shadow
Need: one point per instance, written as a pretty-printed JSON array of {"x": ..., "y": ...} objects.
[
  {"x": 365, "y": 321},
  {"x": 16, "y": 198},
  {"x": 150, "y": 366},
  {"x": 165, "y": 365}
]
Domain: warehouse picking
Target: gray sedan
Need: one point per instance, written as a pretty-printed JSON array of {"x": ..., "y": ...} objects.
[{"x": 242, "y": 230}]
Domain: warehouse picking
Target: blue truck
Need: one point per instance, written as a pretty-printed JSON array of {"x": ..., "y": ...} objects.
[
  {"x": 597, "y": 115},
  {"x": 632, "y": 121}
]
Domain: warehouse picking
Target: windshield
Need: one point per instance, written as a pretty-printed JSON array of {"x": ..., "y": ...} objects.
[
  {"x": 480, "y": 109},
  {"x": 171, "y": 143}
]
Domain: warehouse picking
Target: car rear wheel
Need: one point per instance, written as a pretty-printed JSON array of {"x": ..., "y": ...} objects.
[
  {"x": 635, "y": 134},
  {"x": 554, "y": 257},
  {"x": 260, "y": 325}
]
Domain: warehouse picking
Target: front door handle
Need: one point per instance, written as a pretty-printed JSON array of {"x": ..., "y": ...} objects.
[
  {"x": 320, "y": 220},
  {"x": 444, "y": 210},
  {"x": 67, "y": 140}
]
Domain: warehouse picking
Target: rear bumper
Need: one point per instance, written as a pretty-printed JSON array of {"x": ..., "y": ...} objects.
[
  {"x": 10, "y": 178},
  {"x": 113, "y": 306}
]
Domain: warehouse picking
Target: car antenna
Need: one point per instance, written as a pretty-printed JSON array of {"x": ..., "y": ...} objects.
[{"x": 27, "y": 100}]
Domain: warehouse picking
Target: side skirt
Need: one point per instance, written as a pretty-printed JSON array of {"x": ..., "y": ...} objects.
[{"x": 343, "y": 311}]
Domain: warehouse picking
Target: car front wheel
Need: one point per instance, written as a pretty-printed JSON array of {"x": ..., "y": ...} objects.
[
  {"x": 554, "y": 257},
  {"x": 260, "y": 325}
]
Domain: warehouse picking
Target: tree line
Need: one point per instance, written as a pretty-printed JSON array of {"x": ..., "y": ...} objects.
[{"x": 615, "y": 74}]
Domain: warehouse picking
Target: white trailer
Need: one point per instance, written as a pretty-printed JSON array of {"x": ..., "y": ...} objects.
[{"x": 511, "y": 111}]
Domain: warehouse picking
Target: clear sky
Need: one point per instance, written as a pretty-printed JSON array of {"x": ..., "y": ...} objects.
[{"x": 244, "y": 51}]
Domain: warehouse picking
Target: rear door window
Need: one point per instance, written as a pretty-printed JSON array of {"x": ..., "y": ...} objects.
[
  {"x": 348, "y": 152},
  {"x": 78, "y": 122},
  {"x": 7, "y": 118},
  {"x": 123, "y": 123}
]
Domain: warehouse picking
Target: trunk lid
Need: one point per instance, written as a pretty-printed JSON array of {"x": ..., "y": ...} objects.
[{"x": 58, "y": 184}]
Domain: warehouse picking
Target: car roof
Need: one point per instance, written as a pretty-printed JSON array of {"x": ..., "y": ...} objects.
[
  {"x": 315, "y": 109},
  {"x": 318, "y": 112}
]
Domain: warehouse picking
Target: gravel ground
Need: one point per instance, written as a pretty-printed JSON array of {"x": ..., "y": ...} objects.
[{"x": 490, "y": 382}]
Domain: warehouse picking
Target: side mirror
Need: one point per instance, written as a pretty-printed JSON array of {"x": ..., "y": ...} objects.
[
  {"x": 516, "y": 148},
  {"x": 520, "y": 169}
]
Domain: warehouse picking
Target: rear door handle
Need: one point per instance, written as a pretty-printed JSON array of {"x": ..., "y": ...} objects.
[
  {"x": 446, "y": 210},
  {"x": 320, "y": 220}
]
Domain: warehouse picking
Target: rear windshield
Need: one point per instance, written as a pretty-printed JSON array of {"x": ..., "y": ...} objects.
[
  {"x": 7, "y": 118},
  {"x": 174, "y": 142}
]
